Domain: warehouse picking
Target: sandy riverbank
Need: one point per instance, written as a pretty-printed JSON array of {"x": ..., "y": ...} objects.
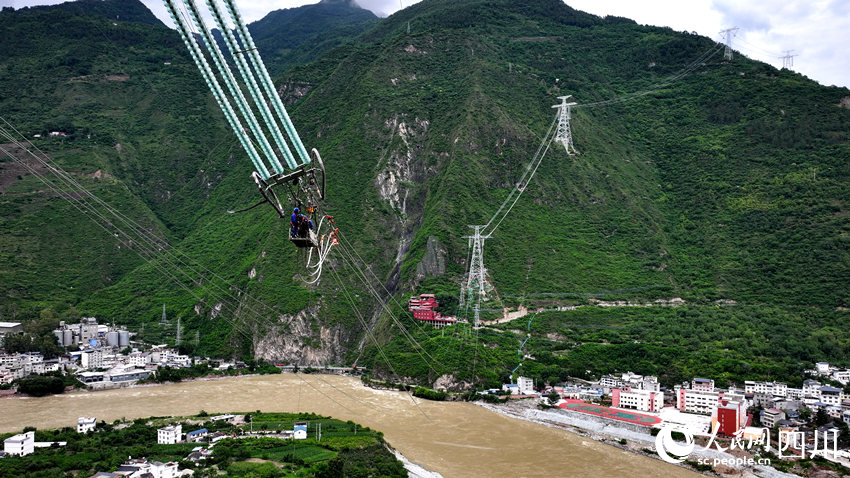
[{"x": 611, "y": 434}]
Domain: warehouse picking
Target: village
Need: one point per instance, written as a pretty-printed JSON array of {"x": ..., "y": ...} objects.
[
  {"x": 796, "y": 422},
  {"x": 228, "y": 426},
  {"x": 103, "y": 357},
  {"x": 100, "y": 357}
]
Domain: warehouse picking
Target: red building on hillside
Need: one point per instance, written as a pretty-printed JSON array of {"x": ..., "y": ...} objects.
[{"x": 424, "y": 309}]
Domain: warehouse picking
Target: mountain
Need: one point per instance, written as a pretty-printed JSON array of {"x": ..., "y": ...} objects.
[
  {"x": 129, "y": 11},
  {"x": 299, "y": 35},
  {"x": 724, "y": 183}
]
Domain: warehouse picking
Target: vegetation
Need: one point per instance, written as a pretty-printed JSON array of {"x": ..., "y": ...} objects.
[
  {"x": 345, "y": 449},
  {"x": 169, "y": 374},
  {"x": 730, "y": 183}
]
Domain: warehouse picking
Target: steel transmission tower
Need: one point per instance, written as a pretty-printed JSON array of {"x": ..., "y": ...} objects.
[
  {"x": 564, "y": 135},
  {"x": 728, "y": 34},
  {"x": 788, "y": 59},
  {"x": 164, "y": 319},
  {"x": 476, "y": 276},
  {"x": 177, "y": 340}
]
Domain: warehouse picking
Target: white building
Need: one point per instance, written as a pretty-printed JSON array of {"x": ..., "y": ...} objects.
[
  {"x": 831, "y": 395},
  {"x": 20, "y": 365},
  {"x": 170, "y": 435},
  {"x": 86, "y": 424},
  {"x": 703, "y": 384},
  {"x": 138, "y": 359},
  {"x": 643, "y": 400},
  {"x": 299, "y": 431},
  {"x": 776, "y": 389},
  {"x": 525, "y": 385},
  {"x": 770, "y": 416},
  {"x": 811, "y": 388},
  {"x": 795, "y": 394},
  {"x": 164, "y": 470},
  {"x": 92, "y": 358},
  {"x": 841, "y": 375},
  {"x": 630, "y": 380},
  {"x": 7, "y": 328},
  {"x": 19, "y": 445},
  {"x": 697, "y": 401}
]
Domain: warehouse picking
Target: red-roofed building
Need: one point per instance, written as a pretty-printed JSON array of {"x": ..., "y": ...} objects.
[{"x": 424, "y": 309}]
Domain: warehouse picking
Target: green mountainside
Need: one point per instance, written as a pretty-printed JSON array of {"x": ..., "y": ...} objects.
[
  {"x": 294, "y": 36},
  {"x": 728, "y": 185}
]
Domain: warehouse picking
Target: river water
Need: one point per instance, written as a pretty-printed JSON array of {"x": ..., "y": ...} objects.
[{"x": 453, "y": 438}]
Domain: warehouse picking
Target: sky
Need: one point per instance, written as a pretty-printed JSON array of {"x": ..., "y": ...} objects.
[{"x": 816, "y": 31}]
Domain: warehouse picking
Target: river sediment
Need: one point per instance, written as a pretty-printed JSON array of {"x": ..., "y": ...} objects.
[{"x": 454, "y": 439}]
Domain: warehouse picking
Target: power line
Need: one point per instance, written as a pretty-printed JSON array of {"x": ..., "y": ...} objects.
[
  {"x": 788, "y": 59},
  {"x": 728, "y": 34}
]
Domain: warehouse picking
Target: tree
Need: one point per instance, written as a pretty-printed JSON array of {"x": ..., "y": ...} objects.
[
  {"x": 821, "y": 417},
  {"x": 553, "y": 397}
]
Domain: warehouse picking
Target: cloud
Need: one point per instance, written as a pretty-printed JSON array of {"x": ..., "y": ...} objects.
[
  {"x": 816, "y": 31},
  {"x": 384, "y": 8}
]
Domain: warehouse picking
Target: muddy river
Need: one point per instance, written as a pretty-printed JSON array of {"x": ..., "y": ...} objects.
[{"x": 454, "y": 439}]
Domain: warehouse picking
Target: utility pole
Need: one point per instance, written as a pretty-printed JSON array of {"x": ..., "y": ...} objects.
[
  {"x": 477, "y": 273},
  {"x": 788, "y": 59},
  {"x": 564, "y": 134},
  {"x": 728, "y": 34}
]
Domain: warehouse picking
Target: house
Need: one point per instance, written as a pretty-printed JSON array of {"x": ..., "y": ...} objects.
[
  {"x": 86, "y": 424},
  {"x": 227, "y": 418},
  {"x": 697, "y": 401},
  {"x": 831, "y": 395},
  {"x": 198, "y": 453},
  {"x": 770, "y": 417},
  {"x": 643, "y": 400},
  {"x": 300, "y": 430},
  {"x": 197, "y": 435},
  {"x": 776, "y": 389},
  {"x": 845, "y": 416},
  {"x": 164, "y": 470},
  {"x": 525, "y": 385},
  {"x": 142, "y": 468},
  {"x": 92, "y": 358},
  {"x": 10, "y": 328},
  {"x": 511, "y": 388},
  {"x": 170, "y": 435},
  {"x": 703, "y": 384},
  {"x": 811, "y": 388},
  {"x": 20, "y": 445}
]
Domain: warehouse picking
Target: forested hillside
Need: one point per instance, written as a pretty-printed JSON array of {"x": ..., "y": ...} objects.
[{"x": 719, "y": 182}]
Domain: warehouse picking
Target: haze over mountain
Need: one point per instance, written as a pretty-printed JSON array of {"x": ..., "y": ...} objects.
[{"x": 728, "y": 183}]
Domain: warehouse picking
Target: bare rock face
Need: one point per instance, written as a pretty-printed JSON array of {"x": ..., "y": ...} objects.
[
  {"x": 297, "y": 341},
  {"x": 434, "y": 261},
  {"x": 449, "y": 382},
  {"x": 290, "y": 92},
  {"x": 402, "y": 167},
  {"x": 845, "y": 102}
]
